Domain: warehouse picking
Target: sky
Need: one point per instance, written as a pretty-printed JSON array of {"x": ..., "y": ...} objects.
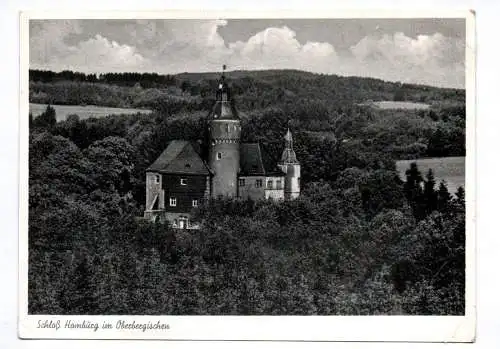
[{"x": 424, "y": 51}]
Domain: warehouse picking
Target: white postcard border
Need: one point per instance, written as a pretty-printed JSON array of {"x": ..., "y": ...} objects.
[{"x": 290, "y": 328}]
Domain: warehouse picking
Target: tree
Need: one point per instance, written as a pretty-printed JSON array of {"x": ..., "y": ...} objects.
[
  {"x": 381, "y": 190},
  {"x": 413, "y": 189},
  {"x": 460, "y": 198},
  {"x": 433, "y": 260},
  {"x": 110, "y": 162},
  {"x": 78, "y": 297},
  {"x": 430, "y": 196},
  {"x": 443, "y": 197},
  {"x": 47, "y": 118},
  {"x": 399, "y": 95}
]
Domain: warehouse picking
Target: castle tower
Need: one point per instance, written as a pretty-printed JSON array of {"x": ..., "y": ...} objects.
[
  {"x": 291, "y": 167},
  {"x": 224, "y": 143}
]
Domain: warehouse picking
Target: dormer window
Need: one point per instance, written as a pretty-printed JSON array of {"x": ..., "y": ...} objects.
[{"x": 183, "y": 181}]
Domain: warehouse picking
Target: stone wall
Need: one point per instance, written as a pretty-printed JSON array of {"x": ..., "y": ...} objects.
[{"x": 250, "y": 190}]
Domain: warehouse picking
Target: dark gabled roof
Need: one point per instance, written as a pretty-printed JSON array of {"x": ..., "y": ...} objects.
[
  {"x": 255, "y": 161},
  {"x": 180, "y": 157}
]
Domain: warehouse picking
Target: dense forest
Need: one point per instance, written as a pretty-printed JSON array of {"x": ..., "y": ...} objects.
[
  {"x": 358, "y": 241},
  {"x": 330, "y": 105}
]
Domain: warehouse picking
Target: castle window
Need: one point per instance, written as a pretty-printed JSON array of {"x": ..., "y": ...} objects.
[
  {"x": 219, "y": 156},
  {"x": 270, "y": 184},
  {"x": 241, "y": 182},
  {"x": 183, "y": 181},
  {"x": 258, "y": 183},
  {"x": 278, "y": 184},
  {"x": 173, "y": 201},
  {"x": 195, "y": 203}
]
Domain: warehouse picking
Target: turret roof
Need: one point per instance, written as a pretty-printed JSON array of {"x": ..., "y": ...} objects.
[
  {"x": 288, "y": 155},
  {"x": 223, "y": 108}
]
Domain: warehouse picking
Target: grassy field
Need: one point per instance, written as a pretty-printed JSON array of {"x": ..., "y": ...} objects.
[
  {"x": 400, "y": 105},
  {"x": 84, "y": 112},
  {"x": 451, "y": 170},
  {"x": 397, "y": 105}
]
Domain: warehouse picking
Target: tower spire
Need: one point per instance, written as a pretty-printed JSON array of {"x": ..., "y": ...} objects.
[
  {"x": 290, "y": 167},
  {"x": 222, "y": 77},
  {"x": 288, "y": 139},
  {"x": 223, "y": 90},
  {"x": 288, "y": 155}
]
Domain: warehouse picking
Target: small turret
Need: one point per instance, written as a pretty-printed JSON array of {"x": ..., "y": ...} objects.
[{"x": 291, "y": 167}]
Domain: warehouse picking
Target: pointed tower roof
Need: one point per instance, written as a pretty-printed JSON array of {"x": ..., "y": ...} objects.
[
  {"x": 223, "y": 108},
  {"x": 288, "y": 156}
]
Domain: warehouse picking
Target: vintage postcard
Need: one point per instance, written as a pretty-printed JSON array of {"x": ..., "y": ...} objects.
[{"x": 248, "y": 176}]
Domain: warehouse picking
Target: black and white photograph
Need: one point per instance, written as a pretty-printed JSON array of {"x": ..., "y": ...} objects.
[{"x": 248, "y": 167}]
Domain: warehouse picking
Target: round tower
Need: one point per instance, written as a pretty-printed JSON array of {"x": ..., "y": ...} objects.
[
  {"x": 224, "y": 144},
  {"x": 291, "y": 167}
]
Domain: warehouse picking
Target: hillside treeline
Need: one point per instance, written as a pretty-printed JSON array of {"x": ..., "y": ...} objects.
[
  {"x": 253, "y": 89},
  {"x": 146, "y": 80},
  {"x": 358, "y": 241},
  {"x": 326, "y": 105}
]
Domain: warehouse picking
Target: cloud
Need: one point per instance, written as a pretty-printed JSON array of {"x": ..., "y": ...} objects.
[
  {"x": 104, "y": 55},
  {"x": 172, "y": 46},
  {"x": 428, "y": 59},
  {"x": 47, "y": 39},
  {"x": 279, "y": 48},
  {"x": 49, "y": 50}
]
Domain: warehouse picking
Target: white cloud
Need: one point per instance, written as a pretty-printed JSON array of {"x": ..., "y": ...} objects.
[
  {"x": 196, "y": 45},
  {"x": 427, "y": 59},
  {"x": 47, "y": 39},
  {"x": 185, "y": 45},
  {"x": 97, "y": 54},
  {"x": 104, "y": 55},
  {"x": 279, "y": 48}
]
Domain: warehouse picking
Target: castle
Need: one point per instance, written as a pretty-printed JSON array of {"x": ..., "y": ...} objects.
[{"x": 186, "y": 174}]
